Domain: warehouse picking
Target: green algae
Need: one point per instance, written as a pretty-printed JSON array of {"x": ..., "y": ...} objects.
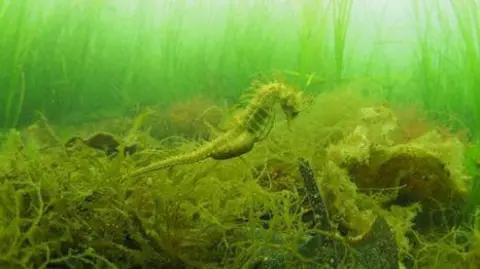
[{"x": 71, "y": 207}]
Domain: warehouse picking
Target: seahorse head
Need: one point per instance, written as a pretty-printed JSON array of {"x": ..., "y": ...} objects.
[{"x": 290, "y": 100}]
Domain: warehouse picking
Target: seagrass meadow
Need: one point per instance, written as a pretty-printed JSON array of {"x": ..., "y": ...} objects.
[{"x": 235, "y": 134}]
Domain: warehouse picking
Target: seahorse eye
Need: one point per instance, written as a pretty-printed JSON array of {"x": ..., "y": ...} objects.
[{"x": 289, "y": 110}]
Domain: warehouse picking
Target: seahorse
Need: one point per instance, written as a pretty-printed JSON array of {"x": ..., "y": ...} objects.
[{"x": 250, "y": 126}]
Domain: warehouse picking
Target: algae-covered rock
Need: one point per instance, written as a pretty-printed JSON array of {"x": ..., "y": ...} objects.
[
  {"x": 377, "y": 249},
  {"x": 427, "y": 170},
  {"x": 417, "y": 174}
]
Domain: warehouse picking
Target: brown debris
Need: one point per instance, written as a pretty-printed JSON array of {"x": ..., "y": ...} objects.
[{"x": 101, "y": 141}]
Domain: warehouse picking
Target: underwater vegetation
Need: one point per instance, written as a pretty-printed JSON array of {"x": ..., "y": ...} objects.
[
  {"x": 339, "y": 180},
  {"x": 325, "y": 175}
]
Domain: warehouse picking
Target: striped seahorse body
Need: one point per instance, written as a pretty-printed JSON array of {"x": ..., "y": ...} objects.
[{"x": 253, "y": 124}]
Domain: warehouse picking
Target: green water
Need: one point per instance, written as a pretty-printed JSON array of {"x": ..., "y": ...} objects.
[{"x": 72, "y": 59}]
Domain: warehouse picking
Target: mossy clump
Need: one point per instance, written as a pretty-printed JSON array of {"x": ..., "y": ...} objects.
[{"x": 424, "y": 170}]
